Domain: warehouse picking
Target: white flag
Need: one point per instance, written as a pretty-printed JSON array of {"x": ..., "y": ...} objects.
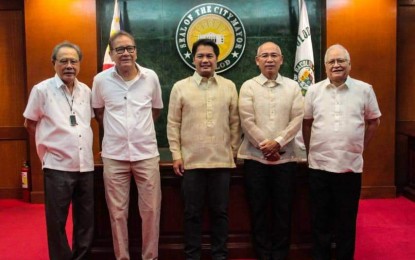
[
  {"x": 115, "y": 27},
  {"x": 304, "y": 62}
]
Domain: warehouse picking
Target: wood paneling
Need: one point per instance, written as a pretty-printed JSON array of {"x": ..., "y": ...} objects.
[
  {"x": 406, "y": 2},
  {"x": 49, "y": 22},
  {"x": 405, "y": 64},
  {"x": 409, "y": 190},
  {"x": 13, "y": 154},
  {"x": 13, "y": 146},
  {"x": 11, "y": 4},
  {"x": 13, "y": 133},
  {"x": 401, "y": 161},
  {"x": 368, "y": 30},
  {"x": 12, "y": 94},
  {"x": 405, "y": 116},
  {"x": 405, "y": 159}
]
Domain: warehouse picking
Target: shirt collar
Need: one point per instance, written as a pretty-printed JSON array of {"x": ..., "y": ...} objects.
[
  {"x": 262, "y": 80},
  {"x": 142, "y": 71},
  {"x": 199, "y": 78},
  {"x": 345, "y": 85},
  {"x": 59, "y": 82}
]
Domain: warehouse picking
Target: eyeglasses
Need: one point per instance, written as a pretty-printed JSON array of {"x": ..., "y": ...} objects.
[
  {"x": 121, "y": 50},
  {"x": 339, "y": 61},
  {"x": 273, "y": 55},
  {"x": 68, "y": 61}
]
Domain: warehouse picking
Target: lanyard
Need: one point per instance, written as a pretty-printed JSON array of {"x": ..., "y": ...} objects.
[
  {"x": 67, "y": 100},
  {"x": 72, "y": 118}
]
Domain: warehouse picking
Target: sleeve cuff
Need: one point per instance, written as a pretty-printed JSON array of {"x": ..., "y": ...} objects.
[
  {"x": 280, "y": 140},
  {"x": 176, "y": 155}
]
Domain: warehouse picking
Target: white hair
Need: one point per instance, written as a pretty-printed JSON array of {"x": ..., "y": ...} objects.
[{"x": 337, "y": 46}]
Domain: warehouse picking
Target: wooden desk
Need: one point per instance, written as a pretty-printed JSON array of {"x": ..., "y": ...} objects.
[{"x": 171, "y": 223}]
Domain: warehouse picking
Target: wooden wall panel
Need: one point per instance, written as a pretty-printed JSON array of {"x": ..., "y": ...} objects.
[
  {"x": 72, "y": 20},
  {"x": 13, "y": 153},
  {"x": 406, "y": 61},
  {"x": 47, "y": 23},
  {"x": 12, "y": 94},
  {"x": 13, "y": 146},
  {"x": 405, "y": 116},
  {"x": 11, "y": 5},
  {"x": 368, "y": 30}
]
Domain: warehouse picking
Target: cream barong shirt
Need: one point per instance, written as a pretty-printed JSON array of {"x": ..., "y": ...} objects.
[
  {"x": 269, "y": 110},
  {"x": 338, "y": 130},
  {"x": 203, "y": 125}
]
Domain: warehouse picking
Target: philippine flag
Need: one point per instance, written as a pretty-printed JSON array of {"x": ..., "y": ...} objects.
[{"x": 115, "y": 27}]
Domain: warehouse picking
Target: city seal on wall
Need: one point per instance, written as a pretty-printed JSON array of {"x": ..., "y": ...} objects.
[{"x": 218, "y": 23}]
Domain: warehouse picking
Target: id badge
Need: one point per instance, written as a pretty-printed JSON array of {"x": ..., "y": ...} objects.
[{"x": 72, "y": 120}]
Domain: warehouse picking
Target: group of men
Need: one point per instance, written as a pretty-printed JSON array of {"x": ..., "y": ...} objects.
[{"x": 208, "y": 127}]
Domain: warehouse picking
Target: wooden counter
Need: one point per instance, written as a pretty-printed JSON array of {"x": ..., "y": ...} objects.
[{"x": 171, "y": 223}]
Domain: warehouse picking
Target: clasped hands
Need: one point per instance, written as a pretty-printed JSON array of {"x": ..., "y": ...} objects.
[{"x": 270, "y": 149}]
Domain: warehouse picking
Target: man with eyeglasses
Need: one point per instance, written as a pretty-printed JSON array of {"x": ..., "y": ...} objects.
[
  {"x": 204, "y": 134},
  {"x": 341, "y": 117},
  {"x": 58, "y": 114},
  {"x": 271, "y": 112},
  {"x": 127, "y": 100}
]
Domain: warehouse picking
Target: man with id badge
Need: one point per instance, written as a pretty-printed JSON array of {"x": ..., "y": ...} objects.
[{"x": 58, "y": 114}]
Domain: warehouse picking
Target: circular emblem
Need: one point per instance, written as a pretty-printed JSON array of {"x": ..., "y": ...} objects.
[
  {"x": 304, "y": 74},
  {"x": 218, "y": 23}
]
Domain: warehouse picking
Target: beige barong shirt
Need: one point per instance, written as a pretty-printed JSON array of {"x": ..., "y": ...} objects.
[
  {"x": 270, "y": 110},
  {"x": 203, "y": 127}
]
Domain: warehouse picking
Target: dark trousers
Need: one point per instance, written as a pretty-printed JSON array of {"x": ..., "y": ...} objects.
[
  {"x": 334, "y": 199},
  {"x": 270, "y": 187},
  {"x": 62, "y": 188},
  {"x": 196, "y": 185}
]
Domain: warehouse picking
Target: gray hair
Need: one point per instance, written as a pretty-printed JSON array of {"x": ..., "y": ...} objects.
[
  {"x": 260, "y": 46},
  {"x": 68, "y": 45}
]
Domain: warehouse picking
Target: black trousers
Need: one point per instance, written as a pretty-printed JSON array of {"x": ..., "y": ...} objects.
[
  {"x": 196, "y": 185},
  {"x": 62, "y": 188},
  {"x": 270, "y": 187},
  {"x": 334, "y": 199}
]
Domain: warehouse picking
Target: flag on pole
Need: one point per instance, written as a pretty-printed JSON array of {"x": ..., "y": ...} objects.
[
  {"x": 304, "y": 60},
  {"x": 304, "y": 63},
  {"x": 115, "y": 27}
]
